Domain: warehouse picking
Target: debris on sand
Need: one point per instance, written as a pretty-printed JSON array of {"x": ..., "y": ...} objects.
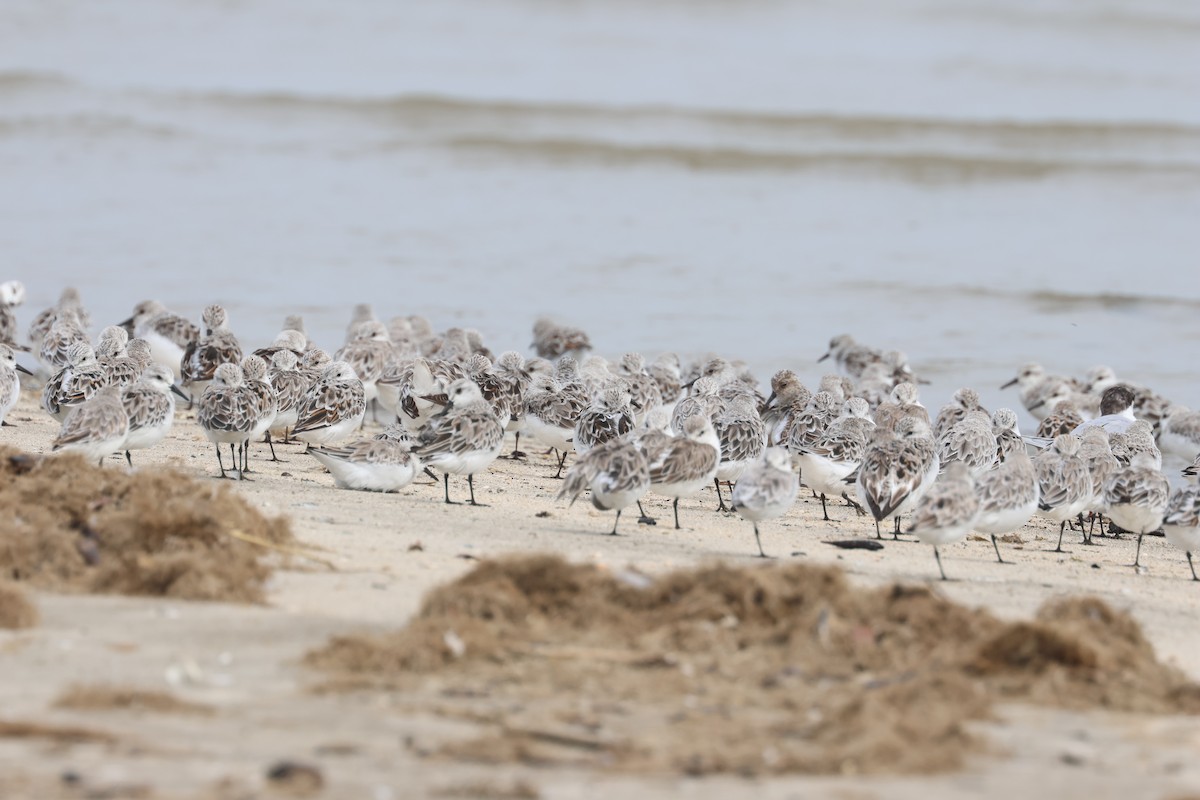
[
  {"x": 16, "y": 609},
  {"x": 783, "y": 668},
  {"x": 72, "y": 526},
  {"x": 100, "y": 697}
]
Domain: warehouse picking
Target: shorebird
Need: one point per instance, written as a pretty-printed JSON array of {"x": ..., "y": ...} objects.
[{"x": 766, "y": 489}]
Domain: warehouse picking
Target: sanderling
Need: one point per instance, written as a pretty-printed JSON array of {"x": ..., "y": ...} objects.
[
  {"x": 79, "y": 380},
  {"x": 742, "y": 438},
  {"x": 766, "y": 489},
  {"x": 290, "y": 385},
  {"x": 122, "y": 366},
  {"x": 808, "y": 426},
  {"x": 551, "y": 411},
  {"x": 1181, "y": 522},
  {"x": 97, "y": 428},
  {"x": 948, "y": 510},
  {"x": 851, "y": 357},
  {"x": 254, "y": 373},
  {"x": 215, "y": 347},
  {"x": 898, "y": 467},
  {"x": 227, "y": 412},
  {"x": 1064, "y": 419},
  {"x": 964, "y": 400},
  {"x": 903, "y": 401},
  {"x": 10, "y": 382},
  {"x": 825, "y": 464},
  {"x": 369, "y": 351},
  {"x": 609, "y": 416},
  {"x": 687, "y": 463},
  {"x": 1034, "y": 386},
  {"x": 1180, "y": 434},
  {"x": 1138, "y": 439},
  {"x": 551, "y": 340},
  {"x": 12, "y": 294},
  {"x": 64, "y": 333},
  {"x": 333, "y": 408},
  {"x": 313, "y": 363},
  {"x": 372, "y": 465},
  {"x": 971, "y": 441},
  {"x": 667, "y": 374},
  {"x": 617, "y": 474},
  {"x": 168, "y": 334},
  {"x": 789, "y": 397},
  {"x": 1064, "y": 484},
  {"x": 1008, "y": 497},
  {"x": 1136, "y": 498},
  {"x": 643, "y": 389},
  {"x": 287, "y": 339},
  {"x": 150, "y": 408},
  {"x": 513, "y": 380},
  {"x": 703, "y": 400},
  {"x": 69, "y": 304},
  {"x": 1116, "y": 411},
  {"x": 1008, "y": 435},
  {"x": 496, "y": 392},
  {"x": 417, "y": 388},
  {"x": 362, "y": 313},
  {"x": 464, "y": 439}
]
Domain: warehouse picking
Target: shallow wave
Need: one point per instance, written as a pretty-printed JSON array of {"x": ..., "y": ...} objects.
[
  {"x": 1040, "y": 297},
  {"x": 418, "y": 105},
  {"x": 20, "y": 80},
  {"x": 916, "y": 165}
]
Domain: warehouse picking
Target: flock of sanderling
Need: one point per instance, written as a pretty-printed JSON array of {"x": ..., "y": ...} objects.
[{"x": 634, "y": 427}]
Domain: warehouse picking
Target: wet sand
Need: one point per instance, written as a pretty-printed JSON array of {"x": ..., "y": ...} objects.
[{"x": 244, "y": 661}]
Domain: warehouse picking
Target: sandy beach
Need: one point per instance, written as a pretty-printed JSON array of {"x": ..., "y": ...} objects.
[{"x": 375, "y": 556}]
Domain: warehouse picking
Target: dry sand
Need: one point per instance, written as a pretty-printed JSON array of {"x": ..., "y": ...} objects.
[{"x": 376, "y": 556}]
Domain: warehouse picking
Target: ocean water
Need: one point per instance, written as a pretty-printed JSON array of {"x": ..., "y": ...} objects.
[{"x": 977, "y": 184}]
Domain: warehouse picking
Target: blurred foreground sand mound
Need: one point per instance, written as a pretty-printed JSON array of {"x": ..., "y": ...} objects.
[{"x": 780, "y": 668}]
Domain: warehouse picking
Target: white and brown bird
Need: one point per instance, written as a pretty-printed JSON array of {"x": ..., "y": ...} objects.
[
  {"x": 150, "y": 408},
  {"x": 687, "y": 463},
  {"x": 1136, "y": 497},
  {"x": 947, "y": 512},
  {"x": 215, "y": 347},
  {"x": 615, "y": 472},
  {"x": 1181, "y": 522},
  {"x": 1008, "y": 497},
  {"x": 227, "y": 413},
  {"x": 1064, "y": 484},
  {"x": 464, "y": 439},
  {"x": 333, "y": 408},
  {"x": 384, "y": 464},
  {"x": 168, "y": 334},
  {"x": 898, "y": 467},
  {"x": 766, "y": 489},
  {"x": 96, "y": 428},
  {"x": 10, "y": 381}
]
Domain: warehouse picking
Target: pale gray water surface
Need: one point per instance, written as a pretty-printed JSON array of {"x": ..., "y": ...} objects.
[{"x": 978, "y": 184}]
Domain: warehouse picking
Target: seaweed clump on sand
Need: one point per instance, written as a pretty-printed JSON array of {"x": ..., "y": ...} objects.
[
  {"x": 72, "y": 526},
  {"x": 748, "y": 670}
]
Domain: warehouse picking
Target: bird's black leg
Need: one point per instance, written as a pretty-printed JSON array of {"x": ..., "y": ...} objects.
[
  {"x": 938, "y": 556},
  {"x": 446, "y": 484},
  {"x": 997, "y": 548},
  {"x": 471, "y": 486},
  {"x": 720, "y": 498},
  {"x": 758, "y": 541},
  {"x": 129, "y": 459},
  {"x": 645, "y": 519},
  {"x": 675, "y": 506},
  {"x": 616, "y": 522},
  {"x": 824, "y": 511},
  {"x": 561, "y": 461}
]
